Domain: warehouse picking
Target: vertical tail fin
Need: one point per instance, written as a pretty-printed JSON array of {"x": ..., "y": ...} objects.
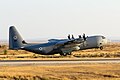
[{"x": 15, "y": 40}]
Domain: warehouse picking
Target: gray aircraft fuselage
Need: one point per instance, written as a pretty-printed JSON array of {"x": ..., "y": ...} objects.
[{"x": 49, "y": 48}]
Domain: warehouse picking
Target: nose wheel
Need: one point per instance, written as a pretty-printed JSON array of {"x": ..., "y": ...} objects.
[{"x": 101, "y": 47}]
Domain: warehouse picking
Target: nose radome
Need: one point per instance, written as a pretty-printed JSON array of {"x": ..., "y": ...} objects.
[
  {"x": 105, "y": 41},
  {"x": 102, "y": 41}
]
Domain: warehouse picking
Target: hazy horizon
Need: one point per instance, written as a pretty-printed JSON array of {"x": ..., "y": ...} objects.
[{"x": 46, "y": 19}]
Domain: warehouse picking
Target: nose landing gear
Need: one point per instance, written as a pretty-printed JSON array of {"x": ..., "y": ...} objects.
[{"x": 101, "y": 47}]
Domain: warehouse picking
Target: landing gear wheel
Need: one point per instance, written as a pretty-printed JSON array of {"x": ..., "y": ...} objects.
[
  {"x": 63, "y": 54},
  {"x": 101, "y": 47},
  {"x": 69, "y": 53}
]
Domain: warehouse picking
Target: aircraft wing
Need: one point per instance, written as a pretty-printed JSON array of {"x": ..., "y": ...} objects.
[
  {"x": 69, "y": 42},
  {"x": 67, "y": 46}
]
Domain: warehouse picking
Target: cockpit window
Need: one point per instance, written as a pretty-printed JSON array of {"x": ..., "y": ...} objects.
[{"x": 103, "y": 37}]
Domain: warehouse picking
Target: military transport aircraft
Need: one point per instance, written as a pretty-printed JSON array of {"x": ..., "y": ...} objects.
[
  {"x": 63, "y": 47},
  {"x": 53, "y": 46}
]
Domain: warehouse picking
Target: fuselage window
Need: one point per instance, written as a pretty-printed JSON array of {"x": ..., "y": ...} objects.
[{"x": 103, "y": 37}]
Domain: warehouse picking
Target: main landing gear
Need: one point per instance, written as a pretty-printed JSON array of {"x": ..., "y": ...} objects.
[{"x": 65, "y": 54}]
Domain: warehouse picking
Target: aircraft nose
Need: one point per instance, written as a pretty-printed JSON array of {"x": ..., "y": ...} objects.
[
  {"x": 104, "y": 40},
  {"x": 101, "y": 41}
]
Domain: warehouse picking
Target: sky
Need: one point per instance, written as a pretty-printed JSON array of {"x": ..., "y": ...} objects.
[{"x": 46, "y": 19}]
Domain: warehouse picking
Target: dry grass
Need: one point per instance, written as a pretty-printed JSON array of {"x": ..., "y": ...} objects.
[
  {"x": 61, "y": 72},
  {"x": 112, "y": 50}
]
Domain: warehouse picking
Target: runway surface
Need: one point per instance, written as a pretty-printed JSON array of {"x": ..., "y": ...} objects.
[{"x": 58, "y": 62}]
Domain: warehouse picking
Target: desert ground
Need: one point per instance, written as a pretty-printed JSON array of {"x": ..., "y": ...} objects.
[
  {"x": 88, "y": 71},
  {"x": 82, "y": 71}
]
